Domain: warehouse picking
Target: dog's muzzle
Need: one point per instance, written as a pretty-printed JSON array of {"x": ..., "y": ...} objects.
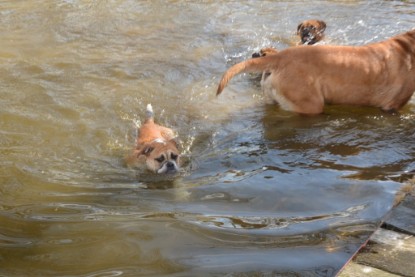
[
  {"x": 307, "y": 36},
  {"x": 168, "y": 168},
  {"x": 171, "y": 166}
]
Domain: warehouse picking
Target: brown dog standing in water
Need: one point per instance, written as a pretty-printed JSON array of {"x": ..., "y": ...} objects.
[
  {"x": 309, "y": 31},
  {"x": 302, "y": 79},
  {"x": 156, "y": 147}
]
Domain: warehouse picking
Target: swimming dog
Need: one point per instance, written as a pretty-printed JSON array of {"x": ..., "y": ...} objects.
[
  {"x": 311, "y": 31},
  {"x": 156, "y": 147}
]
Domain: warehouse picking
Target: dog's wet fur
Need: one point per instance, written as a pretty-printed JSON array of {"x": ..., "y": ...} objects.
[{"x": 156, "y": 148}]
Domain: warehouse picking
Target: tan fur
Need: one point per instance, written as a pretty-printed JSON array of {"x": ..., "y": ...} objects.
[
  {"x": 156, "y": 148},
  {"x": 379, "y": 74}
]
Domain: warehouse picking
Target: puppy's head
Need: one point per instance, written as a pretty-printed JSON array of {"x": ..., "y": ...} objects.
[
  {"x": 311, "y": 31},
  {"x": 161, "y": 156}
]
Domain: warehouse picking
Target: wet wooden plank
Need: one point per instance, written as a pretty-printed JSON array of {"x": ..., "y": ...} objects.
[
  {"x": 389, "y": 251},
  {"x": 402, "y": 217},
  {"x": 358, "y": 270}
]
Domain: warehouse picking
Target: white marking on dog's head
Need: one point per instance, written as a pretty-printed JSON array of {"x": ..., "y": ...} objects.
[{"x": 160, "y": 140}]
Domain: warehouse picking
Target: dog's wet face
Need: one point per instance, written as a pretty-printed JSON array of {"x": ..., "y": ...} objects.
[
  {"x": 308, "y": 35},
  {"x": 167, "y": 163},
  {"x": 162, "y": 157},
  {"x": 311, "y": 31}
]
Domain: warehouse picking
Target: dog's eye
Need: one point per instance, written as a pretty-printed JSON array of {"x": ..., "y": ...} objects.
[
  {"x": 174, "y": 156},
  {"x": 160, "y": 159}
]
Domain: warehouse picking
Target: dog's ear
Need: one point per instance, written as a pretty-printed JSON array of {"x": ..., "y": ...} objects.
[
  {"x": 299, "y": 28},
  {"x": 146, "y": 150},
  {"x": 174, "y": 142},
  {"x": 323, "y": 25}
]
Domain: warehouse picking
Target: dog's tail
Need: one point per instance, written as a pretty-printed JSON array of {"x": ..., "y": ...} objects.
[
  {"x": 252, "y": 65},
  {"x": 149, "y": 112}
]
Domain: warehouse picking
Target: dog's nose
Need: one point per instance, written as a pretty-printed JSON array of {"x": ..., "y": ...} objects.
[{"x": 170, "y": 166}]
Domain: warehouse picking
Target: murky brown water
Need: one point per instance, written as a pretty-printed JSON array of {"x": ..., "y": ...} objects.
[{"x": 265, "y": 192}]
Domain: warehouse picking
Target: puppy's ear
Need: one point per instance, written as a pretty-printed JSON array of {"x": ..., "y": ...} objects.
[
  {"x": 323, "y": 25},
  {"x": 146, "y": 150},
  {"x": 174, "y": 141},
  {"x": 299, "y": 28}
]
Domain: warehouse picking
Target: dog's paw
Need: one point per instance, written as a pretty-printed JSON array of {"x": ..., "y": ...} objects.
[
  {"x": 256, "y": 55},
  {"x": 265, "y": 52}
]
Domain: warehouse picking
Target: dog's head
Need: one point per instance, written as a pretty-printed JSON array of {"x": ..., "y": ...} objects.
[
  {"x": 311, "y": 31},
  {"x": 160, "y": 156}
]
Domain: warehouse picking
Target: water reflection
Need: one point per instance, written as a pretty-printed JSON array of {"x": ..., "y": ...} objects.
[{"x": 263, "y": 191}]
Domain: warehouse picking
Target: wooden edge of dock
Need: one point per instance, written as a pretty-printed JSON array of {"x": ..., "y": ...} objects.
[{"x": 390, "y": 250}]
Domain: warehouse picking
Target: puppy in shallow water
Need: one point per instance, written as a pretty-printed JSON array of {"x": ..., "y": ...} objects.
[
  {"x": 156, "y": 148},
  {"x": 309, "y": 31}
]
